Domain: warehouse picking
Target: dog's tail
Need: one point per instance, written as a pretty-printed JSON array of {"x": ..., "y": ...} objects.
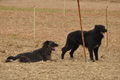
[{"x": 11, "y": 58}]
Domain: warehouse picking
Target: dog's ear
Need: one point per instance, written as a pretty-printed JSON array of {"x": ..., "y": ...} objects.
[
  {"x": 96, "y": 26},
  {"x": 46, "y": 42}
]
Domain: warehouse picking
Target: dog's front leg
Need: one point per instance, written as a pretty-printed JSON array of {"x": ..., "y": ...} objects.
[
  {"x": 44, "y": 58},
  {"x": 91, "y": 54},
  {"x": 96, "y": 52}
]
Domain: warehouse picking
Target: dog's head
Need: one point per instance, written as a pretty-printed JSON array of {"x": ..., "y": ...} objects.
[
  {"x": 50, "y": 45},
  {"x": 100, "y": 29}
]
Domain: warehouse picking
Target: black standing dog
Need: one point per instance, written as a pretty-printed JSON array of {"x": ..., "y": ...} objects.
[
  {"x": 92, "y": 39},
  {"x": 43, "y": 53}
]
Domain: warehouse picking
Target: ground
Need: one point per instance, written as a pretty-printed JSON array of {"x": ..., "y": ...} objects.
[{"x": 54, "y": 21}]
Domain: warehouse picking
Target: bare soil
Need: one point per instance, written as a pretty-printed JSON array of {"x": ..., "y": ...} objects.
[{"x": 17, "y": 36}]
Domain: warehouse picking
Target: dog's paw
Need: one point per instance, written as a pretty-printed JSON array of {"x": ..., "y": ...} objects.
[{"x": 93, "y": 60}]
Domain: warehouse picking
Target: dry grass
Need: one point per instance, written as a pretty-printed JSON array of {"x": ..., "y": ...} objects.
[{"x": 16, "y": 36}]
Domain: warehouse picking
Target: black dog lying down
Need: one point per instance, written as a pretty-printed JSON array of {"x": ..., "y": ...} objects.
[
  {"x": 92, "y": 41},
  {"x": 43, "y": 53}
]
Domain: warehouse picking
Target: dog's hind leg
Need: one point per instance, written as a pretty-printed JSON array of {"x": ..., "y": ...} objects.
[
  {"x": 73, "y": 50},
  {"x": 24, "y": 59},
  {"x": 65, "y": 49},
  {"x": 96, "y": 52}
]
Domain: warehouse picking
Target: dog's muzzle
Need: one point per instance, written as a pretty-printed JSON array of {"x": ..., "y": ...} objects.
[
  {"x": 103, "y": 33},
  {"x": 53, "y": 48}
]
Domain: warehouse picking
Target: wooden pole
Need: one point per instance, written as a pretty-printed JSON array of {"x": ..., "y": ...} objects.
[
  {"x": 81, "y": 29},
  {"x": 34, "y": 24},
  {"x": 64, "y": 8},
  {"x": 107, "y": 26}
]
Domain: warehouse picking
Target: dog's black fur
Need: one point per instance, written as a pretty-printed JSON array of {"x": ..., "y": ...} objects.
[
  {"x": 92, "y": 41},
  {"x": 43, "y": 53}
]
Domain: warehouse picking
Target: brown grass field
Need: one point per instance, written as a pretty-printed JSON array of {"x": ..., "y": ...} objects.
[{"x": 54, "y": 23}]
